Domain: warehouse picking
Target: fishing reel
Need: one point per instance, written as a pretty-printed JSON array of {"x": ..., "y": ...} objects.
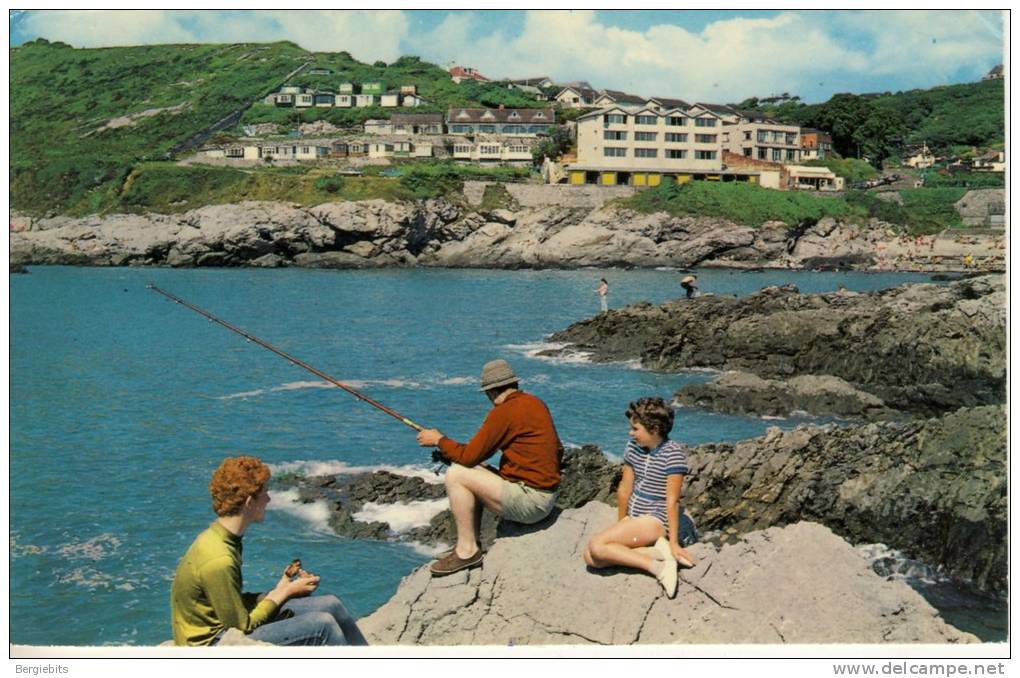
[{"x": 438, "y": 461}]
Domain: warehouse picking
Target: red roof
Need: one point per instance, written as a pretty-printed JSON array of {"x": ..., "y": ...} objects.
[{"x": 458, "y": 72}]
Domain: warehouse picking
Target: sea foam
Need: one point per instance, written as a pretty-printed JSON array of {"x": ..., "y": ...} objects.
[
  {"x": 402, "y": 517},
  {"x": 335, "y": 467}
]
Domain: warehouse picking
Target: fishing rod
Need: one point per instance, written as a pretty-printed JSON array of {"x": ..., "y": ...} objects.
[{"x": 250, "y": 337}]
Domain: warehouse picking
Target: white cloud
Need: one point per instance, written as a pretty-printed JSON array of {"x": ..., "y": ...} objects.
[
  {"x": 729, "y": 59},
  {"x": 369, "y": 35}
]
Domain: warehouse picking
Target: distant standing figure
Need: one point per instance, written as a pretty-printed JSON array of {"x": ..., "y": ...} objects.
[
  {"x": 603, "y": 290},
  {"x": 690, "y": 285}
]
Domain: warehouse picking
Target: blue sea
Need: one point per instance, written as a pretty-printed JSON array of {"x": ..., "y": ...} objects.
[{"x": 123, "y": 403}]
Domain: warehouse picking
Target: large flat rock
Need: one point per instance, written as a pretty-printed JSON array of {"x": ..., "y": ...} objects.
[{"x": 797, "y": 584}]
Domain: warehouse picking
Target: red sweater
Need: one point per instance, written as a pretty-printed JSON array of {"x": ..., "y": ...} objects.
[{"x": 523, "y": 429}]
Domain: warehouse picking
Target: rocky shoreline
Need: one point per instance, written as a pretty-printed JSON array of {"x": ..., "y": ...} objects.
[
  {"x": 918, "y": 349},
  {"x": 934, "y": 489},
  {"x": 534, "y": 227}
]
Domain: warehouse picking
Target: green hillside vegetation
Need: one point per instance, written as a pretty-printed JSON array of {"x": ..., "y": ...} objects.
[
  {"x": 877, "y": 126},
  {"x": 168, "y": 188},
  {"x": 433, "y": 82},
  {"x": 923, "y": 210},
  {"x": 62, "y": 99},
  {"x": 65, "y": 158}
]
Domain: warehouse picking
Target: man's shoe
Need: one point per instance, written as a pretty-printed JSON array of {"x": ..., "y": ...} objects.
[{"x": 453, "y": 563}]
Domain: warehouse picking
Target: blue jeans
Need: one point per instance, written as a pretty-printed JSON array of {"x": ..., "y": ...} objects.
[{"x": 317, "y": 620}]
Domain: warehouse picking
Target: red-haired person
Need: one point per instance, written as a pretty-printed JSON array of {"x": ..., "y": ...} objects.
[
  {"x": 647, "y": 534},
  {"x": 207, "y": 595}
]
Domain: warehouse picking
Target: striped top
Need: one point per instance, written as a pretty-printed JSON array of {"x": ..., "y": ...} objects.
[{"x": 648, "y": 497}]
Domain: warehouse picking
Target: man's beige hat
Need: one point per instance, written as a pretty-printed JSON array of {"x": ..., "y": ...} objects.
[{"x": 497, "y": 373}]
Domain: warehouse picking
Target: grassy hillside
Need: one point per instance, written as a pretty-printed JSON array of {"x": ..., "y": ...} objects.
[
  {"x": 63, "y": 99},
  {"x": 433, "y": 84},
  {"x": 947, "y": 118},
  {"x": 82, "y": 119},
  {"x": 923, "y": 210}
]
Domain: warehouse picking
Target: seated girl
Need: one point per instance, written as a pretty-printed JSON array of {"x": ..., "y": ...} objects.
[{"x": 646, "y": 536}]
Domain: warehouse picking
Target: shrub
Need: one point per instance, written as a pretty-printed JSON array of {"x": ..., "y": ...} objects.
[{"x": 329, "y": 184}]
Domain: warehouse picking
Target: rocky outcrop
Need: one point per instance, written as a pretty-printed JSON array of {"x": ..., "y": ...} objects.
[
  {"x": 536, "y": 226},
  {"x": 934, "y": 489},
  {"x": 743, "y": 393},
  {"x": 586, "y": 476},
  {"x": 923, "y": 348},
  {"x": 775, "y": 586}
]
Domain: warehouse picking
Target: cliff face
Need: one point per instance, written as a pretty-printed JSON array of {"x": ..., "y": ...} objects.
[
  {"x": 798, "y": 584},
  {"x": 544, "y": 227}
]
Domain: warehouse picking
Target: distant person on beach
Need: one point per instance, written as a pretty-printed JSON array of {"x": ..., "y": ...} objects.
[
  {"x": 602, "y": 290},
  {"x": 690, "y": 285},
  {"x": 648, "y": 500},
  {"x": 523, "y": 490},
  {"x": 207, "y": 595}
]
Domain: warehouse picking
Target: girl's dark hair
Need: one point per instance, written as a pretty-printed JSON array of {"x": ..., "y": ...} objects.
[{"x": 654, "y": 414}]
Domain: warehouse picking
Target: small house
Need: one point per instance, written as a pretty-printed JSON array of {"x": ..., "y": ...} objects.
[
  {"x": 389, "y": 99},
  {"x": 363, "y": 100}
]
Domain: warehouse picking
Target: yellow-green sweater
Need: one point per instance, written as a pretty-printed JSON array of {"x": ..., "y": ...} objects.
[{"x": 206, "y": 594}]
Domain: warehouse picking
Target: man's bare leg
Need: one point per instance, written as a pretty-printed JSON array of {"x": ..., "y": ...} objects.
[{"x": 468, "y": 490}]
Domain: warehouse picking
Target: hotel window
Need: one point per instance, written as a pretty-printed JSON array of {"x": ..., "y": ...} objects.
[
  {"x": 461, "y": 149},
  {"x": 705, "y": 138},
  {"x": 704, "y": 155},
  {"x": 675, "y": 153},
  {"x": 460, "y": 129},
  {"x": 610, "y": 135},
  {"x": 645, "y": 153},
  {"x": 614, "y": 119},
  {"x": 747, "y": 136},
  {"x": 540, "y": 115},
  {"x": 235, "y": 153},
  {"x": 304, "y": 150},
  {"x": 763, "y": 154},
  {"x": 675, "y": 138},
  {"x": 610, "y": 152},
  {"x": 645, "y": 136},
  {"x": 490, "y": 150},
  {"x": 777, "y": 154},
  {"x": 704, "y": 122},
  {"x": 676, "y": 121},
  {"x": 791, "y": 139},
  {"x": 491, "y": 129},
  {"x": 791, "y": 154},
  {"x": 646, "y": 119},
  {"x": 762, "y": 136}
]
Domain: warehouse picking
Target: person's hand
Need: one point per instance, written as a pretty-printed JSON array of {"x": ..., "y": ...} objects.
[
  {"x": 683, "y": 556},
  {"x": 303, "y": 585},
  {"x": 430, "y": 437}
]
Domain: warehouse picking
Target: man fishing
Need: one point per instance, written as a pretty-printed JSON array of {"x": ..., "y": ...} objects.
[{"x": 524, "y": 489}]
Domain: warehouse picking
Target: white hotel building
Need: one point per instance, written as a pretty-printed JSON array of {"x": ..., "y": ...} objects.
[{"x": 649, "y": 145}]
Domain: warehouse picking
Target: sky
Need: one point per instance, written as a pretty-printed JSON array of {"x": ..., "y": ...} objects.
[{"x": 703, "y": 55}]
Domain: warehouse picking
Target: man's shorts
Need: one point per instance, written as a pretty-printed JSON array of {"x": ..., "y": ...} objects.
[{"x": 523, "y": 504}]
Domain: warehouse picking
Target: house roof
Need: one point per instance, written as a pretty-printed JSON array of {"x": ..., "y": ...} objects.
[
  {"x": 412, "y": 118},
  {"x": 534, "y": 82},
  {"x": 996, "y": 70},
  {"x": 623, "y": 97},
  {"x": 459, "y": 72},
  {"x": 524, "y": 115},
  {"x": 583, "y": 91},
  {"x": 670, "y": 103},
  {"x": 577, "y": 84},
  {"x": 718, "y": 108}
]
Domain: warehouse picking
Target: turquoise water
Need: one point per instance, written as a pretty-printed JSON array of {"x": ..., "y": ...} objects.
[{"x": 123, "y": 403}]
